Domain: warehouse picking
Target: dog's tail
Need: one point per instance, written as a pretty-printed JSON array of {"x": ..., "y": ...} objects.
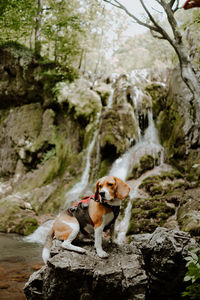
[{"x": 47, "y": 246}]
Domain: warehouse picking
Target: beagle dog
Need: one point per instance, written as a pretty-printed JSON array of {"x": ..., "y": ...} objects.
[{"x": 102, "y": 210}]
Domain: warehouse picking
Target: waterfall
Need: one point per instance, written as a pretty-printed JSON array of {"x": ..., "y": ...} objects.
[
  {"x": 110, "y": 99},
  {"x": 122, "y": 227},
  {"x": 79, "y": 187},
  {"x": 147, "y": 144}
]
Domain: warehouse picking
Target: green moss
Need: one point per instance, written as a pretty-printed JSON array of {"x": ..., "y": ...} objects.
[
  {"x": 104, "y": 167},
  {"x": 123, "y": 207},
  {"x": 56, "y": 200},
  {"x": 18, "y": 51},
  {"x": 159, "y": 95},
  {"x": 148, "y": 213},
  {"x": 26, "y": 226}
]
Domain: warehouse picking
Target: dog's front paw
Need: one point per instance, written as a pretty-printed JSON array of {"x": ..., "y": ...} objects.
[{"x": 102, "y": 254}]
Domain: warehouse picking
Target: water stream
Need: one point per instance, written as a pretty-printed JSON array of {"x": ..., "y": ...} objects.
[{"x": 79, "y": 187}]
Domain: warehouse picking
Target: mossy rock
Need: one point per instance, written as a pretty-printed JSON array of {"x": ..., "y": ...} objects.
[
  {"x": 178, "y": 131},
  {"x": 118, "y": 128},
  {"x": 163, "y": 184},
  {"x": 16, "y": 215},
  {"x": 147, "y": 214},
  {"x": 158, "y": 94},
  {"x": 83, "y": 103},
  {"x": 26, "y": 226},
  {"x": 104, "y": 91},
  {"x": 146, "y": 163},
  {"x": 189, "y": 212},
  {"x": 104, "y": 167}
]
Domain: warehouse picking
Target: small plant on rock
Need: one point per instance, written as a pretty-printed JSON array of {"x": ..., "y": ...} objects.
[{"x": 193, "y": 275}]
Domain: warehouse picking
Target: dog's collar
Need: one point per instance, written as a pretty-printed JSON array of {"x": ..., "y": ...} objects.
[{"x": 98, "y": 198}]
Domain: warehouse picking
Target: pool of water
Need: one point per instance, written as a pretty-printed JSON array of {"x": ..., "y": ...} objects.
[{"x": 18, "y": 260}]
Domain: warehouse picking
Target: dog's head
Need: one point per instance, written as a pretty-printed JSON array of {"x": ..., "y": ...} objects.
[{"x": 111, "y": 190}]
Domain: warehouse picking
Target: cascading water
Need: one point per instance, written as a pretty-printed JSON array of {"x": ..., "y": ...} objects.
[
  {"x": 79, "y": 187},
  {"x": 147, "y": 144},
  {"x": 110, "y": 99}
]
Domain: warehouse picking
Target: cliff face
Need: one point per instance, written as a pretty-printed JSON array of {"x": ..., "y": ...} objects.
[
  {"x": 179, "y": 127},
  {"x": 41, "y": 140}
]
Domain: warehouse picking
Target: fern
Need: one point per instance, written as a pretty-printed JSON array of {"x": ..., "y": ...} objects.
[{"x": 193, "y": 275}]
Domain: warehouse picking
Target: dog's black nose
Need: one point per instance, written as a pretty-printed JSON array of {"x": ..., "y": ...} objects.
[{"x": 102, "y": 194}]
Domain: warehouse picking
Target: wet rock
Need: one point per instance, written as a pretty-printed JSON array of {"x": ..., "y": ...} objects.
[
  {"x": 71, "y": 275},
  {"x": 147, "y": 162}
]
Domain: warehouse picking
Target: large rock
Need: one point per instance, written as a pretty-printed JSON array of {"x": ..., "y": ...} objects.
[
  {"x": 164, "y": 254},
  {"x": 152, "y": 267},
  {"x": 189, "y": 211},
  {"x": 178, "y": 126},
  {"x": 75, "y": 276},
  {"x": 20, "y": 75},
  {"x": 118, "y": 130}
]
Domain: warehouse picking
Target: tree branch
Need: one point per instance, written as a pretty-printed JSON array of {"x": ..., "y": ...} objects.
[
  {"x": 156, "y": 25},
  {"x": 171, "y": 20},
  {"x": 117, "y": 4}
]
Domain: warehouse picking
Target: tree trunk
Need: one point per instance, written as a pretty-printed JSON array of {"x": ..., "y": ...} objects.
[
  {"x": 38, "y": 26},
  {"x": 189, "y": 76}
]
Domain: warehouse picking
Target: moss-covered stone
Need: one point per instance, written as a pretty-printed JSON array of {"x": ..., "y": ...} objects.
[
  {"x": 27, "y": 226},
  {"x": 17, "y": 215},
  {"x": 158, "y": 94},
  {"x": 147, "y": 214},
  {"x": 163, "y": 184},
  {"x": 118, "y": 129},
  {"x": 146, "y": 163},
  {"x": 189, "y": 212},
  {"x": 81, "y": 100},
  {"x": 104, "y": 91},
  {"x": 179, "y": 134}
]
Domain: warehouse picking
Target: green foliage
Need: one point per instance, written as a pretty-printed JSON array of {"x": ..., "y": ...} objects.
[
  {"x": 47, "y": 155},
  {"x": 193, "y": 275},
  {"x": 16, "y": 19}
]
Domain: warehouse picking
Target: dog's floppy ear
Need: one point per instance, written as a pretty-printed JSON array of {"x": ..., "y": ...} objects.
[
  {"x": 122, "y": 189},
  {"x": 96, "y": 197}
]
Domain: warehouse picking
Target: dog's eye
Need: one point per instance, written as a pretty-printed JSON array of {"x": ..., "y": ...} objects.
[
  {"x": 110, "y": 184},
  {"x": 100, "y": 186}
]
